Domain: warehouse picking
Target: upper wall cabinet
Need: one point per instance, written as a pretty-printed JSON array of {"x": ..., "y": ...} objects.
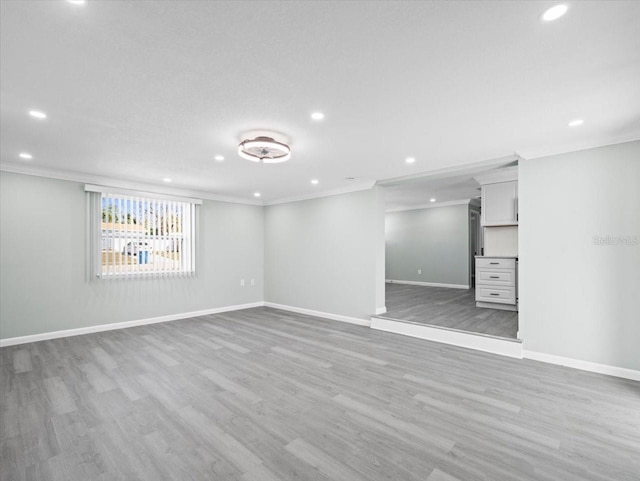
[
  {"x": 499, "y": 196},
  {"x": 500, "y": 203}
]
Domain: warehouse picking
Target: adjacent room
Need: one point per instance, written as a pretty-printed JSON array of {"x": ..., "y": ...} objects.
[
  {"x": 439, "y": 272},
  {"x": 356, "y": 240}
]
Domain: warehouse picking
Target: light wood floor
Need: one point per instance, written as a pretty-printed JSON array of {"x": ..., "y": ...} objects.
[
  {"x": 445, "y": 307},
  {"x": 263, "y": 394}
]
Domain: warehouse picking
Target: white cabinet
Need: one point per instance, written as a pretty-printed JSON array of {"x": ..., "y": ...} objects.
[
  {"x": 496, "y": 282},
  {"x": 500, "y": 203}
]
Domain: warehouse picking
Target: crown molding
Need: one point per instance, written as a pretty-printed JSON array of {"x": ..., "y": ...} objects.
[
  {"x": 430, "y": 205},
  {"x": 364, "y": 185},
  {"x": 508, "y": 174},
  {"x": 471, "y": 168},
  {"x": 119, "y": 183},
  {"x": 541, "y": 153}
]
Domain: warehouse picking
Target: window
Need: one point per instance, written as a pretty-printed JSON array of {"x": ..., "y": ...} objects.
[{"x": 135, "y": 234}]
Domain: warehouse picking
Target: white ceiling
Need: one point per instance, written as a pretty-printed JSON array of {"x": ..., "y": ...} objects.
[
  {"x": 450, "y": 186},
  {"x": 147, "y": 90}
]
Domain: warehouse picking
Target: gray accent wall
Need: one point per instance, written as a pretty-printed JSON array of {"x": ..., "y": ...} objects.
[
  {"x": 579, "y": 242},
  {"x": 326, "y": 254},
  {"x": 43, "y": 285},
  {"x": 435, "y": 240}
]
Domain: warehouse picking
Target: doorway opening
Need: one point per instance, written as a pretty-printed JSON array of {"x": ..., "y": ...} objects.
[{"x": 433, "y": 235}]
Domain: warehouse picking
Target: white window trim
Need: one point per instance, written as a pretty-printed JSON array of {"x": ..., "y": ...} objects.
[{"x": 137, "y": 193}]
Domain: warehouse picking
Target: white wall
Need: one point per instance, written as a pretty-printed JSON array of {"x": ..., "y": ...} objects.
[
  {"x": 325, "y": 254},
  {"x": 42, "y": 263},
  {"x": 501, "y": 241},
  {"x": 579, "y": 297},
  {"x": 435, "y": 240}
]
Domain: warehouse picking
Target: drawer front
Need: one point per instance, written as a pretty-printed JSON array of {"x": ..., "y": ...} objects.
[
  {"x": 501, "y": 277},
  {"x": 499, "y": 294},
  {"x": 493, "y": 263}
]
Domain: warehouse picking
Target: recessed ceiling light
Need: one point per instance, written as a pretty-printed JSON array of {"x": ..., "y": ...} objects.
[
  {"x": 38, "y": 114},
  {"x": 256, "y": 194},
  {"x": 219, "y": 158},
  {"x": 554, "y": 12},
  {"x": 410, "y": 160},
  {"x": 432, "y": 200},
  {"x": 317, "y": 116},
  {"x": 576, "y": 123},
  {"x": 166, "y": 179},
  {"x": 314, "y": 181},
  {"x": 77, "y": 2},
  {"x": 25, "y": 155}
]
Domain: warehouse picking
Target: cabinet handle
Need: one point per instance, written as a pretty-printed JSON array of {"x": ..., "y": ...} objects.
[
  {"x": 494, "y": 277},
  {"x": 494, "y": 263},
  {"x": 494, "y": 294}
]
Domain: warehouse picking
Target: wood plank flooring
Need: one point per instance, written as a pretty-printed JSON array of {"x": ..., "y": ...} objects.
[
  {"x": 445, "y": 307},
  {"x": 266, "y": 395}
]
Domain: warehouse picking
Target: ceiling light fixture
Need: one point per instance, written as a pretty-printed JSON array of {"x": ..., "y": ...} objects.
[
  {"x": 432, "y": 200},
  {"x": 265, "y": 150},
  {"x": 166, "y": 180},
  {"x": 314, "y": 181},
  {"x": 554, "y": 13},
  {"x": 219, "y": 158},
  {"x": 576, "y": 123},
  {"x": 26, "y": 156},
  {"x": 410, "y": 160},
  {"x": 38, "y": 114},
  {"x": 256, "y": 194},
  {"x": 317, "y": 116},
  {"x": 77, "y": 2}
]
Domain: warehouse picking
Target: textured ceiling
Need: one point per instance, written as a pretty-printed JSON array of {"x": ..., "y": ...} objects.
[{"x": 142, "y": 91}]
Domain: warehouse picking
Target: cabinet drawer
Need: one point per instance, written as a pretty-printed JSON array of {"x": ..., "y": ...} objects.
[
  {"x": 495, "y": 263},
  {"x": 504, "y": 277},
  {"x": 499, "y": 294}
]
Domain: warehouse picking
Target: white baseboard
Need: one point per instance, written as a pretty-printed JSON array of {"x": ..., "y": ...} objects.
[
  {"x": 381, "y": 310},
  {"x": 583, "y": 365},
  {"x": 490, "y": 344},
  {"x": 326, "y": 315},
  {"x": 495, "y": 305},
  {"x": 12, "y": 341},
  {"x": 427, "y": 284}
]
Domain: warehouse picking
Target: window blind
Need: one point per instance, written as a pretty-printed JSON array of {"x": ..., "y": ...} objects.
[{"x": 133, "y": 235}]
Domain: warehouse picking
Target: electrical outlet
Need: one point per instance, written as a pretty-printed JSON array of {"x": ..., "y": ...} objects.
[
  {"x": 242, "y": 282},
  {"x": 253, "y": 282},
  {"x": 419, "y": 271}
]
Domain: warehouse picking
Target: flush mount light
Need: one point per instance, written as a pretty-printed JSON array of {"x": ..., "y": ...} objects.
[
  {"x": 432, "y": 200},
  {"x": 410, "y": 160},
  {"x": 265, "y": 150},
  {"x": 26, "y": 156},
  {"x": 77, "y": 2},
  {"x": 554, "y": 13},
  {"x": 576, "y": 123},
  {"x": 38, "y": 114},
  {"x": 256, "y": 194},
  {"x": 314, "y": 181},
  {"x": 166, "y": 179},
  {"x": 219, "y": 158},
  {"x": 317, "y": 116}
]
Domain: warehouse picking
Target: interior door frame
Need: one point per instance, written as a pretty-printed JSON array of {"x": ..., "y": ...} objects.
[{"x": 474, "y": 216}]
